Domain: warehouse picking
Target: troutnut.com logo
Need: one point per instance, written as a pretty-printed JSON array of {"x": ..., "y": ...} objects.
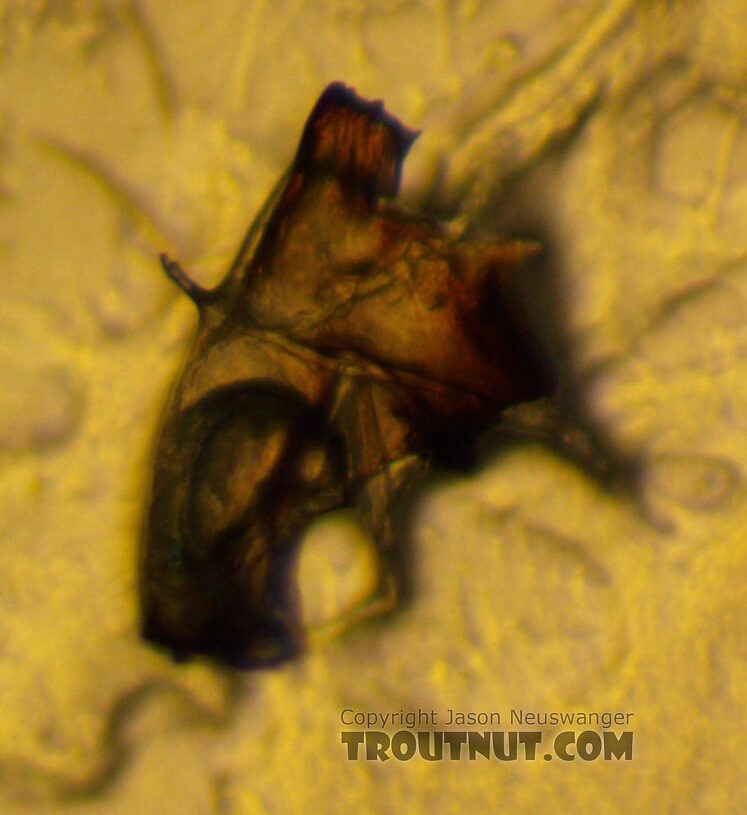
[{"x": 585, "y": 736}]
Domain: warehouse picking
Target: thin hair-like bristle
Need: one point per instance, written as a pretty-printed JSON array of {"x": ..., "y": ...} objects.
[{"x": 195, "y": 292}]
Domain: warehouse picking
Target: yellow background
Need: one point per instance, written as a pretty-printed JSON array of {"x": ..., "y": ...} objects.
[{"x": 130, "y": 128}]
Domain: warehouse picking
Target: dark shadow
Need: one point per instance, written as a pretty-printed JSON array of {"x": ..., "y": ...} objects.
[{"x": 563, "y": 422}]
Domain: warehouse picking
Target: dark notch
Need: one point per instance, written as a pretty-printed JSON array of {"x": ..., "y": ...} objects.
[
  {"x": 355, "y": 140},
  {"x": 195, "y": 292}
]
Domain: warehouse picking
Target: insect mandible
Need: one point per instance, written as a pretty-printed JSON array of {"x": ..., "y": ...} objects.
[{"x": 347, "y": 341}]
